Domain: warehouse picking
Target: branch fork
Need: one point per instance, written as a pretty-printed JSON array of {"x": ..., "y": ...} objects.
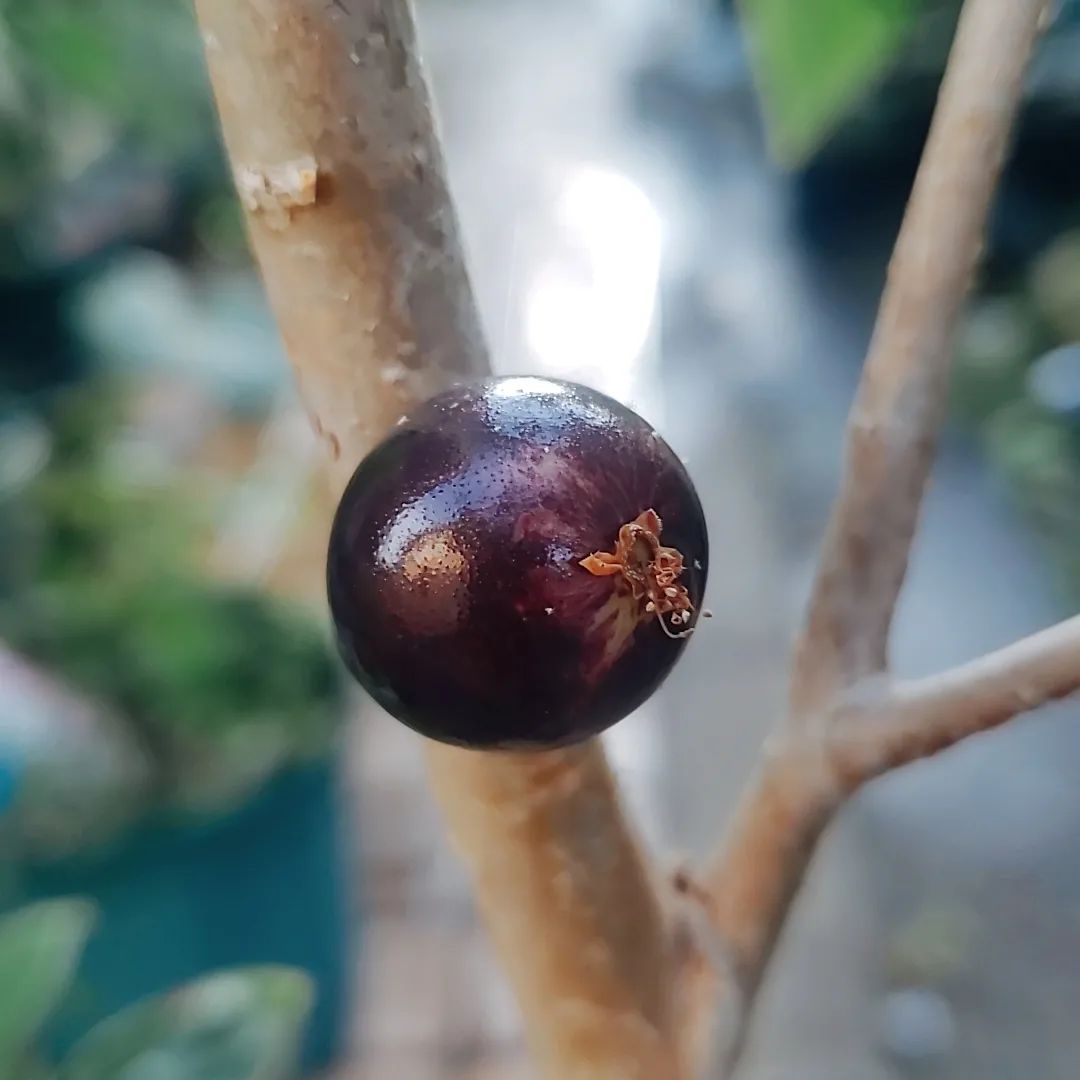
[{"x": 621, "y": 974}]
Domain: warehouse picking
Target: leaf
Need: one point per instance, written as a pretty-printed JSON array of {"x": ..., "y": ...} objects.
[
  {"x": 242, "y": 1024},
  {"x": 813, "y": 59},
  {"x": 35, "y": 1070},
  {"x": 40, "y": 946}
]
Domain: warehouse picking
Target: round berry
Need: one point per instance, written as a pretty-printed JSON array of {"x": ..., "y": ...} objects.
[{"x": 517, "y": 565}]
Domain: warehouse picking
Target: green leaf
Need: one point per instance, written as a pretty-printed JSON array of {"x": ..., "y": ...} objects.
[
  {"x": 813, "y": 59},
  {"x": 40, "y": 946},
  {"x": 243, "y": 1024},
  {"x": 35, "y": 1070}
]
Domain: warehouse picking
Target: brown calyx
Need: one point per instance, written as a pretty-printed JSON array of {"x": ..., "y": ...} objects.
[{"x": 650, "y": 570}]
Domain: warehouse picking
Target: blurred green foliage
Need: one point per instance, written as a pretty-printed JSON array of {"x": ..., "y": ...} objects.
[
  {"x": 233, "y": 1025},
  {"x": 814, "y": 59},
  {"x": 220, "y": 684},
  {"x": 116, "y": 86},
  {"x": 1025, "y": 415},
  {"x": 136, "y": 66},
  {"x": 241, "y": 1024},
  {"x": 846, "y": 68},
  {"x": 40, "y": 947},
  {"x": 107, "y": 140}
]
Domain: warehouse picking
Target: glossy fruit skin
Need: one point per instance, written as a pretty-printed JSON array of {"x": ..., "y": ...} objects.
[{"x": 454, "y": 574}]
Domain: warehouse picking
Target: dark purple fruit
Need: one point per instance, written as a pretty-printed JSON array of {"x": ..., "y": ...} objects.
[{"x": 518, "y": 564}]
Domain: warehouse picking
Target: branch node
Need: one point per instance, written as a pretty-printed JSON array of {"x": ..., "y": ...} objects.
[
  {"x": 695, "y": 935},
  {"x": 275, "y": 191}
]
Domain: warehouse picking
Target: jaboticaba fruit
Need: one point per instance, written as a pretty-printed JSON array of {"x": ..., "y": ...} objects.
[{"x": 518, "y": 564}]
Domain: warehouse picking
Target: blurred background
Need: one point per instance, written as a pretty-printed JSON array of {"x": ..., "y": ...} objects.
[{"x": 686, "y": 209}]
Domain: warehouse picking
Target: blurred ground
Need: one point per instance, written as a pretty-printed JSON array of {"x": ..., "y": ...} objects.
[{"x": 747, "y": 364}]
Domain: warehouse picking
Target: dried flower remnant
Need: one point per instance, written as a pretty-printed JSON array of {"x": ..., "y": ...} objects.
[{"x": 649, "y": 570}]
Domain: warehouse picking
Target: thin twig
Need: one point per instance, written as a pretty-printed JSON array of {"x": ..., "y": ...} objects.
[
  {"x": 926, "y": 715},
  {"x": 892, "y": 435},
  {"x": 894, "y": 422},
  {"x": 329, "y": 130}
]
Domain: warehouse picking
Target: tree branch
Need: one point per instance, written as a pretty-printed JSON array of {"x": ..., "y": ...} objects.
[
  {"x": 892, "y": 434},
  {"x": 328, "y": 125},
  {"x": 926, "y": 715},
  {"x": 329, "y": 129},
  {"x": 898, "y": 410},
  {"x": 571, "y": 906}
]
